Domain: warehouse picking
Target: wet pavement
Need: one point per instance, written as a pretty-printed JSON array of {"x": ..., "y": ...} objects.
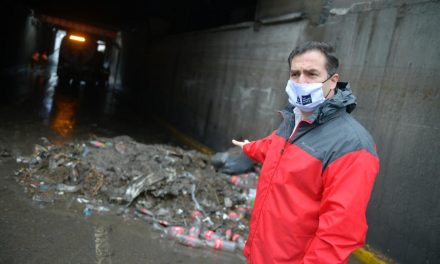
[{"x": 36, "y": 104}]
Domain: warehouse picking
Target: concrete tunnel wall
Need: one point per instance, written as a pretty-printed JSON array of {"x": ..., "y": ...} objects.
[
  {"x": 221, "y": 84},
  {"x": 391, "y": 56}
]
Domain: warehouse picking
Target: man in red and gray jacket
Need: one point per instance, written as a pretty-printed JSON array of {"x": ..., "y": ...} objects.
[{"x": 318, "y": 170}]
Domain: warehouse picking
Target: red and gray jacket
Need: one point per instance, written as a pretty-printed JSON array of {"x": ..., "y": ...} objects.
[{"x": 314, "y": 186}]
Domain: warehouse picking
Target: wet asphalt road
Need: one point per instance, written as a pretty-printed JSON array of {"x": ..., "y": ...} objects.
[{"x": 36, "y": 104}]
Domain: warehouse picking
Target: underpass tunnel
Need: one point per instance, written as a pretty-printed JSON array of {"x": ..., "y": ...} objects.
[
  {"x": 109, "y": 50},
  {"x": 207, "y": 71}
]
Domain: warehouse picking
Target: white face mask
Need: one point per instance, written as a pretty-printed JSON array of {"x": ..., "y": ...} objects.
[{"x": 306, "y": 96}]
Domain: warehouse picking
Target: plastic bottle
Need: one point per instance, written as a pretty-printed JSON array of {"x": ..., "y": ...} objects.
[
  {"x": 86, "y": 151},
  {"x": 233, "y": 216},
  {"x": 221, "y": 244},
  {"x": 173, "y": 232},
  {"x": 247, "y": 180},
  {"x": 151, "y": 219},
  {"x": 68, "y": 188},
  {"x": 143, "y": 210},
  {"x": 242, "y": 211},
  {"x": 196, "y": 226},
  {"x": 237, "y": 238},
  {"x": 146, "y": 218},
  {"x": 228, "y": 234},
  {"x": 87, "y": 211},
  {"x": 163, "y": 223},
  {"x": 98, "y": 208},
  {"x": 100, "y": 144},
  {"x": 197, "y": 216},
  {"x": 97, "y": 143},
  {"x": 42, "y": 200},
  {"x": 251, "y": 197},
  {"x": 210, "y": 234},
  {"x": 190, "y": 241},
  {"x": 194, "y": 231}
]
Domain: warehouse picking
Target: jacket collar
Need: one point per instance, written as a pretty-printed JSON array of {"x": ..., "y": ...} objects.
[{"x": 343, "y": 101}]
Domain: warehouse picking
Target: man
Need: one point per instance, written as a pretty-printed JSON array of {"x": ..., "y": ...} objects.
[{"x": 318, "y": 169}]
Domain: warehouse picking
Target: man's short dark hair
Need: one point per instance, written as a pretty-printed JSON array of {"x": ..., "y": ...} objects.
[{"x": 326, "y": 49}]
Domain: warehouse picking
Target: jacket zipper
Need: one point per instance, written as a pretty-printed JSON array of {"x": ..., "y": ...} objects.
[
  {"x": 270, "y": 185},
  {"x": 289, "y": 138}
]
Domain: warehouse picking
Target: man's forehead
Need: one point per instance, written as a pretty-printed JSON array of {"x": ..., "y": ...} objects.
[{"x": 310, "y": 60}]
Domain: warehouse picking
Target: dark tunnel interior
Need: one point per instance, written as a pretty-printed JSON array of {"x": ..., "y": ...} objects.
[
  {"x": 183, "y": 16},
  {"x": 123, "y": 30},
  {"x": 196, "y": 74},
  {"x": 74, "y": 71}
]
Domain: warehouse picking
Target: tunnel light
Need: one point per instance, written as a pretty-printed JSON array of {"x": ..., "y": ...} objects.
[
  {"x": 77, "y": 38},
  {"x": 101, "y": 46}
]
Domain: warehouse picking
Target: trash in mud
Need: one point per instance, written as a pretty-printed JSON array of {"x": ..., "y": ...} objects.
[{"x": 178, "y": 192}]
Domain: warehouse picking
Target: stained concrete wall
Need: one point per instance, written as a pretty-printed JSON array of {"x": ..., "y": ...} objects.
[
  {"x": 392, "y": 57},
  {"x": 271, "y": 8},
  {"x": 219, "y": 84},
  {"x": 223, "y": 84}
]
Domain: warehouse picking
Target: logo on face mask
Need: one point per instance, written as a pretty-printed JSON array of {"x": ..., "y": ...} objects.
[{"x": 306, "y": 99}]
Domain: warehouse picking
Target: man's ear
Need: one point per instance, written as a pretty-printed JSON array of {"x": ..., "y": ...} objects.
[{"x": 333, "y": 81}]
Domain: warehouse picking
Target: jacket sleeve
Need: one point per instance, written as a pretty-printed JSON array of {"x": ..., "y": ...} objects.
[
  {"x": 347, "y": 184},
  {"x": 256, "y": 150}
]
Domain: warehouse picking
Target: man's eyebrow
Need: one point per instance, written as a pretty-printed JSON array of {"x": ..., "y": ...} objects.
[
  {"x": 307, "y": 70},
  {"x": 312, "y": 71}
]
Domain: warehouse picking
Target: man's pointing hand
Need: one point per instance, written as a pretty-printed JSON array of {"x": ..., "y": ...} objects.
[{"x": 240, "y": 143}]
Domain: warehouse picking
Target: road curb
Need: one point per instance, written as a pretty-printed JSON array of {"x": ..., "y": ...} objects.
[
  {"x": 367, "y": 257},
  {"x": 184, "y": 138}
]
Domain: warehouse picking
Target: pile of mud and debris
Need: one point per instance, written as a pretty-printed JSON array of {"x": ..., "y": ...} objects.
[{"x": 179, "y": 192}]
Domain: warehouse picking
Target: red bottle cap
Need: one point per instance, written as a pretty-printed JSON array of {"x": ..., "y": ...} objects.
[
  {"x": 233, "y": 215},
  {"x": 235, "y": 236},
  {"x": 178, "y": 229},
  {"x": 228, "y": 233},
  {"x": 209, "y": 234},
  {"x": 196, "y": 214},
  {"x": 234, "y": 179},
  {"x": 218, "y": 243}
]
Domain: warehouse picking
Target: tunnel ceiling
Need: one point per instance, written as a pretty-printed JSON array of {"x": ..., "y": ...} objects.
[{"x": 182, "y": 16}]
